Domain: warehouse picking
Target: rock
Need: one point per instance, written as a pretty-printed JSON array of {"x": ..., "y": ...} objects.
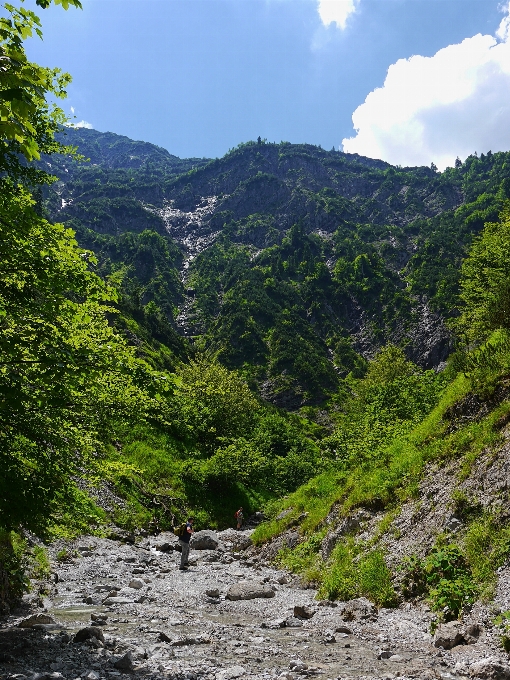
[
  {"x": 490, "y": 668},
  {"x": 328, "y": 637},
  {"x": 125, "y": 663},
  {"x": 36, "y": 619},
  {"x": 358, "y": 610},
  {"x": 213, "y": 592},
  {"x": 184, "y": 641},
  {"x": 88, "y": 633},
  {"x": 349, "y": 525},
  {"x": 472, "y": 633},
  {"x": 241, "y": 541},
  {"x": 284, "y": 513},
  {"x": 327, "y": 603},
  {"x": 136, "y": 583},
  {"x": 231, "y": 673},
  {"x": 448, "y": 635},
  {"x": 163, "y": 637},
  {"x": 274, "y": 624},
  {"x": 303, "y": 612},
  {"x": 343, "y": 629},
  {"x": 292, "y": 622},
  {"x": 117, "y": 600},
  {"x": 204, "y": 540},
  {"x": 385, "y": 654},
  {"x": 297, "y": 666},
  {"x": 91, "y": 675},
  {"x": 249, "y": 590},
  {"x": 99, "y": 617},
  {"x": 453, "y": 524}
]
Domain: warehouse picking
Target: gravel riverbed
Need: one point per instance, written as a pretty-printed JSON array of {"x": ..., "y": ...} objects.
[{"x": 144, "y": 617}]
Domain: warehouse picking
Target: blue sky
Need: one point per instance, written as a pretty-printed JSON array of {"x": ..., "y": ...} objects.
[{"x": 200, "y": 76}]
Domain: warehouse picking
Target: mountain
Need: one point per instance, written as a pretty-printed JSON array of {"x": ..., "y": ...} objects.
[{"x": 290, "y": 263}]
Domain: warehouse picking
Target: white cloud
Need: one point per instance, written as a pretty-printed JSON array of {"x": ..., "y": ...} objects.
[
  {"x": 83, "y": 124},
  {"x": 336, "y": 11},
  {"x": 440, "y": 107}
]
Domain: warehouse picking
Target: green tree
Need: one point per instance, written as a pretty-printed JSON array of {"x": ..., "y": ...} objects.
[
  {"x": 212, "y": 404},
  {"x": 65, "y": 376},
  {"x": 485, "y": 283},
  {"x": 28, "y": 121}
]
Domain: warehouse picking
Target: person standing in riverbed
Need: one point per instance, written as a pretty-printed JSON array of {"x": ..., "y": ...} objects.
[
  {"x": 184, "y": 540},
  {"x": 239, "y": 517}
]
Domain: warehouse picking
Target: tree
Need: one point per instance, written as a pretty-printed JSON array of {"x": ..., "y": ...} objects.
[
  {"x": 28, "y": 121},
  {"x": 66, "y": 378},
  {"x": 485, "y": 282}
]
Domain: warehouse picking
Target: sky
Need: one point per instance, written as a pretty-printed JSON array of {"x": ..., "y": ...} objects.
[{"x": 409, "y": 81}]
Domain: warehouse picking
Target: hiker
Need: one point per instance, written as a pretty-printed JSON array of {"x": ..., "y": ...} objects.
[
  {"x": 239, "y": 517},
  {"x": 184, "y": 540}
]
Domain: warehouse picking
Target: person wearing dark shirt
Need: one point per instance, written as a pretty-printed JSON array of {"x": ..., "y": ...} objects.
[{"x": 184, "y": 541}]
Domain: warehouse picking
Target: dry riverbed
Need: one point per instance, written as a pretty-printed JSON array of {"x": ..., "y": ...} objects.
[{"x": 145, "y": 618}]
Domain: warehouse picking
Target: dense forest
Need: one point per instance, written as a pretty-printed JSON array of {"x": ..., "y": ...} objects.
[{"x": 286, "y": 328}]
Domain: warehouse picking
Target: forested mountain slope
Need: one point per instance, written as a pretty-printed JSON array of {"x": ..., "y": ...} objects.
[{"x": 291, "y": 263}]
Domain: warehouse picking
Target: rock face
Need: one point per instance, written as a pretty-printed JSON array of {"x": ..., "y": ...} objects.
[
  {"x": 249, "y": 590},
  {"x": 204, "y": 540}
]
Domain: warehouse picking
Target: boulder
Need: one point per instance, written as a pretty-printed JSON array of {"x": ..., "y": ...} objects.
[
  {"x": 36, "y": 620},
  {"x": 125, "y": 663},
  {"x": 117, "y": 600},
  {"x": 303, "y": 612},
  {"x": 204, "y": 540},
  {"x": 213, "y": 592},
  {"x": 448, "y": 635},
  {"x": 136, "y": 583},
  {"x": 249, "y": 590},
  {"x": 490, "y": 668},
  {"x": 89, "y": 632},
  {"x": 292, "y": 622},
  {"x": 358, "y": 610}
]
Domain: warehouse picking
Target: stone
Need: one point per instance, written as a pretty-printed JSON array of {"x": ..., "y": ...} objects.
[
  {"x": 185, "y": 641},
  {"x": 328, "y": 637},
  {"x": 358, "y": 610},
  {"x": 163, "y": 637},
  {"x": 472, "y": 633},
  {"x": 453, "y": 524},
  {"x": 136, "y": 583},
  {"x": 249, "y": 590},
  {"x": 213, "y": 592},
  {"x": 117, "y": 600},
  {"x": 36, "y": 619},
  {"x": 490, "y": 668},
  {"x": 99, "y": 617},
  {"x": 292, "y": 622},
  {"x": 284, "y": 513},
  {"x": 231, "y": 673},
  {"x": 448, "y": 635},
  {"x": 274, "y": 624},
  {"x": 343, "y": 629},
  {"x": 92, "y": 675},
  {"x": 204, "y": 540},
  {"x": 348, "y": 526},
  {"x": 297, "y": 666},
  {"x": 87, "y": 633},
  {"x": 303, "y": 612},
  {"x": 125, "y": 663}
]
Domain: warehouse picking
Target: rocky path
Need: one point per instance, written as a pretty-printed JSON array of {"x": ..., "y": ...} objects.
[{"x": 123, "y": 611}]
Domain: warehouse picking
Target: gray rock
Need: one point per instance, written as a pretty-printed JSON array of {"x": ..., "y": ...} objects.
[
  {"x": 284, "y": 513},
  {"x": 117, "y": 600},
  {"x": 348, "y": 526},
  {"x": 344, "y": 630},
  {"x": 204, "y": 540},
  {"x": 328, "y": 637},
  {"x": 292, "y": 622},
  {"x": 249, "y": 590},
  {"x": 448, "y": 635},
  {"x": 35, "y": 620},
  {"x": 99, "y": 617},
  {"x": 185, "y": 641},
  {"x": 358, "y": 610},
  {"x": 453, "y": 524},
  {"x": 136, "y": 583},
  {"x": 125, "y": 663},
  {"x": 490, "y": 668},
  {"x": 472, "y": 633},
  {"x": 274, "y": 624},
  {"x": 88, "y": 633},
  {"x": 212, "y": 592},
  {"x": 231, "y": 673},
  {"x": 303, "y": 612}
]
